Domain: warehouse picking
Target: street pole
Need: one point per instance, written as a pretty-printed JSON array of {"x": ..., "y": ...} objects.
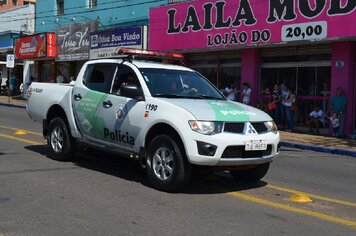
[{"x": 8, "y": 89}]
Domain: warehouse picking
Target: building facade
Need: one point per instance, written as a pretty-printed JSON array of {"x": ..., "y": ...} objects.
[
  {"x": 310, "y": 46},
  {"x": 74, "y": 22},
  {"x": 6, "y": 5},
  {"x": 15, "y": 22}
]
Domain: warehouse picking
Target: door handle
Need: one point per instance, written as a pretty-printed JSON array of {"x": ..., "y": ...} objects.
[
  {"x": 107, "y": 104},
  {"x": 77, "y": 97}
]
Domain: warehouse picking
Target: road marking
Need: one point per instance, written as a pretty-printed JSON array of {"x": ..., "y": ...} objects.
[
  {"x": 20, "y": 132},
  {"x": 21, "y": 139},
  {"x": 294, "y": 209},
  {"x": 15, "y": 129},
  {"x": 312, "y": 195}
]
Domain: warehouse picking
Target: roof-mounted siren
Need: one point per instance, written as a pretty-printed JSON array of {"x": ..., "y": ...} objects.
[{"x": 165, "y": 57}]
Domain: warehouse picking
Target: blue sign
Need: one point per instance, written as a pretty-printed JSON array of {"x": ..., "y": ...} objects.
[
  {"x": 104, "y": 44},
  {"x": 116, "y": 38}
]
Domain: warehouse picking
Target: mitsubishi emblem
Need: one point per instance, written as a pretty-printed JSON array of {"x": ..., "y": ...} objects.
[{"x": 249, "y": 129}]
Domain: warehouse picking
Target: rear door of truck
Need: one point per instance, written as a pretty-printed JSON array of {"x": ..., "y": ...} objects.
[
  {"x": 90, "y": 94},
  {"x": 121, "y": 118}
]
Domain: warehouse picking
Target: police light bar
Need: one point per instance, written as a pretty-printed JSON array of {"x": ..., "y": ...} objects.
[{"x": 150, "y": 53}]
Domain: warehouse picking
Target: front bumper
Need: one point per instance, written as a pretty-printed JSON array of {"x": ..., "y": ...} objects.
[{"x": 230, "y": 149}]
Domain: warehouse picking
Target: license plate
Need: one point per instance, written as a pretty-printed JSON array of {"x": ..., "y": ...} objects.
[{"x": 255, "y": 145}]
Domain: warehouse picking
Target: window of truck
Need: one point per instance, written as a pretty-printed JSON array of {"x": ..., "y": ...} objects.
[
  {"x": 98, "y": 77},
  {"x": 179, "y": 83}
]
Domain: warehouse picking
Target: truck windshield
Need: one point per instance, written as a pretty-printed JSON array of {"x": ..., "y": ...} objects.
[{"x": 179, "y": 84}]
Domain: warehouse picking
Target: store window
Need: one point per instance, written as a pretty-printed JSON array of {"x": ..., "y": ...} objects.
[
  {"x": 221, "y": 68},
  {"x": 230, "y": 70},
  {"x": 60, "y": 7},
  {"x": 47, "y": 72},
  {"x": 206, "y": 64},
  {"x": 305, "y": 70},
  {"x": 14, "y": 2}
]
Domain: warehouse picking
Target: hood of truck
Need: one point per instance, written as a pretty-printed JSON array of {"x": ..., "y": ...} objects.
[{"x": 220, "y": 110}]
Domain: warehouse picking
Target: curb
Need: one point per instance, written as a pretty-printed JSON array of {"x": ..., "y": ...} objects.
[
  {"x": 331, "y": 150},
  {"x": 12, "y": 105}
]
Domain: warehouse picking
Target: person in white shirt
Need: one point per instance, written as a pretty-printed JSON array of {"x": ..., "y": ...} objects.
[
  {"x": 335, "y": 122},
  {"x": 315, "y": 119},
  {"x": 60, "y": 78},
  {"x": 230, "y": 91},
  {"x": 246, "y": 93}
]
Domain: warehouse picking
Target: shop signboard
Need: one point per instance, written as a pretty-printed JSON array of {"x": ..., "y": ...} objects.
[
  {"x": 209, "y": 24},
  {"x": 35, "y": 46},
  {"x": 73, "y": 41},
  {"x": 105, "y": 44}
]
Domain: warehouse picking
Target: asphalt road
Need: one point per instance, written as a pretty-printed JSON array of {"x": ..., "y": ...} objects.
[{"x": 100, "y": 194}]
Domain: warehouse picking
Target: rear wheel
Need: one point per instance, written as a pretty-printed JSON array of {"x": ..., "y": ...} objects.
[
  {"x": 60, "y": 142},
  {"x": 167, "y": 166},
  {"x": 251, "y": 174}
]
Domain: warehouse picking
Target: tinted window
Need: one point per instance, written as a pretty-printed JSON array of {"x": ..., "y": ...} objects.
[
  {"x": 124, "y": 76},
  {"x": 98, "y": 77}
]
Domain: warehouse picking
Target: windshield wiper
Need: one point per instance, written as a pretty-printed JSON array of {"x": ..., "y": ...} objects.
[
  {"x": 209, "y": 97},
  {"x": 167, "y": 95},
  {"x": 187, "y": 96}
]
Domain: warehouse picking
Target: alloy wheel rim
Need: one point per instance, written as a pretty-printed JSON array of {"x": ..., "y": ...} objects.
[
  {"x": 57, "y": 139},
  {"x": 162, "y": 163}
]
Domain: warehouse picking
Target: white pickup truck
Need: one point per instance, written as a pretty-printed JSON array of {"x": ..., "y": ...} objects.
[{"x": 167, "y": 116}]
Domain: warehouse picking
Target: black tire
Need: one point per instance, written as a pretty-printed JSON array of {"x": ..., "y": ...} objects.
[
  {"x": 172, "y": 173},
  {"x": 251, "y": 174},
  {"x": 59, "y": 141}
]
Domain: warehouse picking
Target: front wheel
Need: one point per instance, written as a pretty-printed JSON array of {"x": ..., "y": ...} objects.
[
  {"x": 251, "y": 174},
  {"x": 60, "y": 142},
  {"x": 167, "y": 166}
]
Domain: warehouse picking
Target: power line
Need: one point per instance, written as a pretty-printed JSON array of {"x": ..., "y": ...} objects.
[{"x": 81, "y": 12}]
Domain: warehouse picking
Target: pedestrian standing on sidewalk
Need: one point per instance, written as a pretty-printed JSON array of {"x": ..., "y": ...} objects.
[
  {"x": 12, "y": 84},
  {"x": 338, "y": 105},
  {"x": 335, "y": 123},
  {"x": 230, "y": 92},
  {"x": 246, "y": 93},
  {"x": 276, "y": 99},
  {"x": 287, "y": 105}
]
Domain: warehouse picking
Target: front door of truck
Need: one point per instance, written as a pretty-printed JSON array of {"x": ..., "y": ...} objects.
[{"x": 89, "y": 95}]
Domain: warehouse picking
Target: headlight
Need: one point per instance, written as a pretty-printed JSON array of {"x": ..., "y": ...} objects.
[
  {"x": 206, "y": 127},
  {"x": 271, "y": 126}
]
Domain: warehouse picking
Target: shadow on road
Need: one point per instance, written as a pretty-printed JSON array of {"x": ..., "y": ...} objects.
[{"x": 130, "y": 170}]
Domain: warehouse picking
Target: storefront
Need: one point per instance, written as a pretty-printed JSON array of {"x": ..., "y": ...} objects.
[
  {"x": 39, "y": 48},
  {"x": 299, "y": 43},
  {"x": 73, "y": 44}
]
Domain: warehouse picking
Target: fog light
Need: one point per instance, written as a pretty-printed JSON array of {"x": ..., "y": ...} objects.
[{"x": 206, "y": 149}]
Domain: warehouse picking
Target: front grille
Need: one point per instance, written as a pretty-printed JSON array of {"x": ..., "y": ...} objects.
[
  {"x": 234, "y": 127},
  {"x": 238, "y": 128},
  {"x": 239, "y": 152}
]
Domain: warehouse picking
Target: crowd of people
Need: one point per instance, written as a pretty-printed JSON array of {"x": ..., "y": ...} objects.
[{"x": 281, "y": 104}]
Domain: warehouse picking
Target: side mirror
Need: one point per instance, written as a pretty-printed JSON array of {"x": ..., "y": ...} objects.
[{"x": 131, "y": 91}]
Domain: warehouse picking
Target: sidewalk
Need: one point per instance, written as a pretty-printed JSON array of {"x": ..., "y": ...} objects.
[
  {"x": 17, "y": 101},
  {"x": 295, "y": 140},
  {"x": 319, "y": 143}
]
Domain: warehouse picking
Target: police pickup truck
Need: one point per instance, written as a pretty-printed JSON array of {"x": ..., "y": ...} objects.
[{"x": 167, "y": 116}]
